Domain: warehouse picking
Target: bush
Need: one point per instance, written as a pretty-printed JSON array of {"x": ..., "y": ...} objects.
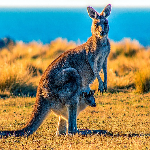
[
  {"x": 22, "y": 66},
  {"x": 142, "y": 80},
  {"x": 15, "y": 80},
  {"x": 33, "y": 70},
  {"x": 126, "y": 47},
  {"x": 59, "y": 46}
]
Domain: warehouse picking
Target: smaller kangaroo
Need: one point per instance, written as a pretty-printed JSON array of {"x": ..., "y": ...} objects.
[{"x": 64, "y": 86}]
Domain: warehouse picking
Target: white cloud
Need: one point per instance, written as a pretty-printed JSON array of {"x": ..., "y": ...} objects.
[
  {"x": 53, "y": 3},
  {"x": 75, "y": 3},
  {"x": 131, "y": 3}
]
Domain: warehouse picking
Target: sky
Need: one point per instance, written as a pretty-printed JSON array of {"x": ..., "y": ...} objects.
[{"x": 74, "y": 3}]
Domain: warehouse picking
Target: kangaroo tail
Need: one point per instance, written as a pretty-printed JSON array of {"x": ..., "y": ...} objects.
[{"x": 41, "y": 109}]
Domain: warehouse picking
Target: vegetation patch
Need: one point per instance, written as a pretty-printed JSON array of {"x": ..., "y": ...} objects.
[
  {"x": 142, "y": 80},
  {"x": 15, "y": 80},
  {"x": 21, "y": 66}
]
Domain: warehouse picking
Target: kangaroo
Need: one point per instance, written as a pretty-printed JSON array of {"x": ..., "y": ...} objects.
[{"x": 64, "y": 86}]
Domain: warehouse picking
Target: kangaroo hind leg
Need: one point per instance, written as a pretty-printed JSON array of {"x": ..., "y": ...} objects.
[
  {"x": 62, "y": 126},
  {"x": 68, "y": 83},
  {"x": 72, "y": 118}
]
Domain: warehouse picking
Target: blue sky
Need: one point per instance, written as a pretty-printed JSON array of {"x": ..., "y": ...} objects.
[{"x": 73, "y": 3}]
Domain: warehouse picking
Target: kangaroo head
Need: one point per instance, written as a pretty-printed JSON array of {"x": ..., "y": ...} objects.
[
  {"x": 89, "y": 98},
  {"x": 100, "y": 25}
]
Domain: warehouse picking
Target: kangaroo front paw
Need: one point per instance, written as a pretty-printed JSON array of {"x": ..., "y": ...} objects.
[{"x": 105, "y": 86}]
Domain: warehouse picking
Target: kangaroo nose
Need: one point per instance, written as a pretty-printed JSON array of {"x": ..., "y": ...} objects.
[{"x": 94, "y": 105}]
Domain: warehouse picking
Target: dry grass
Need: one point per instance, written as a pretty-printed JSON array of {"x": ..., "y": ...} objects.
[
  {"x": 126, "y": 63},
  {"x": 126, "y": 47},
  {"x": 121, "y": 113},
  {"x": 14, "y": 79},
  {"x": 142, "y": 80},
  {"x": 127, "y": 59},
  {"x": 23, "y": 65},
  {"x": 124, "y": 109}
]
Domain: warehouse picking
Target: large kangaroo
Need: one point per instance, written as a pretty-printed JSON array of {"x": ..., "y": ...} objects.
[{"x": 64, "y": 86}]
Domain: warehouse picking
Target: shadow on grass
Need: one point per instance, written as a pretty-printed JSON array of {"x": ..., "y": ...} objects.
[
  {"x": 85, "y": 132},
  {"x": 19, "y": 90},
  {"x": 24, "y": 90},
  {"x": 124, "y": 89},
  {"x": 4, "y": 95}
]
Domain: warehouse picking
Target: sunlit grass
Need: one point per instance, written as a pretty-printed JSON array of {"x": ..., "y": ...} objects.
[
  {"x": 14, "y": 79},
  {"x": 121, "y": 113},
  {"x": 23, "y": 65},
  {"x": 124, "y": 109},
  {"x": 126, "y": 61},
  {"x": 142, "y": 80}
]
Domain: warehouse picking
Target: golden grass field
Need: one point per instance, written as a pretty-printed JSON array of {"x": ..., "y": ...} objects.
[{"x": 124, "y": 109}]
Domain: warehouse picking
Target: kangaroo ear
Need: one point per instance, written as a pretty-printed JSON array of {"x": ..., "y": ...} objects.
[
  {"x": 92, "y": 13},
  {"x": 106, "y": 11}
]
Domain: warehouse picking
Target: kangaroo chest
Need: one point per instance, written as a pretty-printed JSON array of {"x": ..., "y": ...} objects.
[{"x": 99, "y": 60}]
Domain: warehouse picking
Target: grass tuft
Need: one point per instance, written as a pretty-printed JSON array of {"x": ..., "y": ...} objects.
[
  {"x": 142, "y": 80},
  {"x": 15, "y": 79},
  {"x": 126, "y": 47}
]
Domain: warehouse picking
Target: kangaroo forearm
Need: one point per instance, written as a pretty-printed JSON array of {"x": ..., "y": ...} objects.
[{"x": 99, "y": 79}]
